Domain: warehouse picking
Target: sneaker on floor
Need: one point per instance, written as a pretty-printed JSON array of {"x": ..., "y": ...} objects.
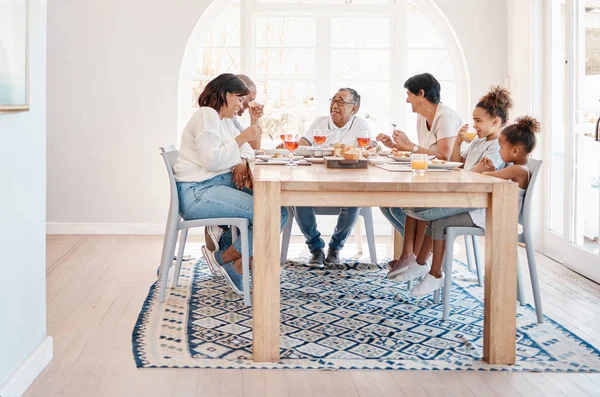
[
  {"x": 212, "y": 236},
  {"x": 414, "y": 271},
  {"x": 428, "y": 285},
  {"x": 391, "y": 264},
  {"x": 212, "y": 263},
  {"x": 333, "y": 256},
  {"x": 317, "y": 258},
  {"x": 401, "y": 265},
  {"x": 233, "y": 278}
]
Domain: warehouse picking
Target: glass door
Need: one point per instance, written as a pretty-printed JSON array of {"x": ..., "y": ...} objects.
[{"x": 574, "y": 189}]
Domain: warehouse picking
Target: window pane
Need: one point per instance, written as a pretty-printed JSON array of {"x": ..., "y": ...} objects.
[
  {"x": 373, "y": 32},
  {"x": 225, "y": 29},
  {"x": 349, "y": 2},
  {"x": 436, "y": 62},
  {"x": 428, "y": 36},
  {"x": 274, "y": 124},
  {"x": 374, "y": 97},
  {"x": 285, "y": 63},
  {"x": 284, "y": 95},
  {"x": 449, "y": 95},
  {"x": 214, "y": 61},
  {"x": 289, "y": 32},
  {"x": 360, "y": 64},
  {"x": 197, "y": 88}
]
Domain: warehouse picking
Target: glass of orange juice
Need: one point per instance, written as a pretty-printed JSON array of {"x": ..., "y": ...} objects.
[
  {"x": 418, "y": 163},
  {"x": 470, "y": 135}
]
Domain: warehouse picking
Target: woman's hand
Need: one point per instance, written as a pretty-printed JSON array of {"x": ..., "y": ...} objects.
[
  {"x": 461, "y": 137},
  {"x": 485, "y": 165},
  {"x": 401, "y": 140},
  {"x": 241, "y": 175},
  {"x": 386, "y": 140},
  {"x": 251, "y": 133}
]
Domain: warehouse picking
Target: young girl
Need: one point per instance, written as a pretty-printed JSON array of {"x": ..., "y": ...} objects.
[
  {"x": 516, "y": 142},
  {"x": 489, "y": 117}
]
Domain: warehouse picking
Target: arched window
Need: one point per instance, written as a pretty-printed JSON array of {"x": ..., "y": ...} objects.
[{"x": 299, "y": 52}]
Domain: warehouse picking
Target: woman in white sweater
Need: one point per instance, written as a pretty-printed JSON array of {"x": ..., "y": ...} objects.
[{"x": 212, "y": 171}]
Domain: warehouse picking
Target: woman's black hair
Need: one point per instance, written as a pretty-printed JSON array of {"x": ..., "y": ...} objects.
[
  {"x": 214, "y": 94},
  {"x": 427, "y": 83}
]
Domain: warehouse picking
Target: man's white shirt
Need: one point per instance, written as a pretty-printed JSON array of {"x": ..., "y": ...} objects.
[{"x": 346, "y": 135}]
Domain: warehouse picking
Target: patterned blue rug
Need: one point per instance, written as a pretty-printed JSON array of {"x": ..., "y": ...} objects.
[{"x": 347, "y": 317}]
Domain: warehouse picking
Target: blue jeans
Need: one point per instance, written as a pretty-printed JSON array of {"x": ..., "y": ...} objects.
[
  {"x": 219, "y": 198},
  {"x": 396, "y": 217},
  {"x": 307, "y": 221}
]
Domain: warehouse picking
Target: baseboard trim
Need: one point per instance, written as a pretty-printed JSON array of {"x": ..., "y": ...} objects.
[
  {"x": 29, "y": 370},
  {"x": 105, "y": 228}
]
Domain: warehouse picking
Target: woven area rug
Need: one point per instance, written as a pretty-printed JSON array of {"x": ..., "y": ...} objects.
[{"x": 348, "y": 317}]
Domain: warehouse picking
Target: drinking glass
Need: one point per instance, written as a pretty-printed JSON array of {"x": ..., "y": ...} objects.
[
  {"x": 363, "y": 139},
  {"x": 291, "y": 143},
  {"x": 320, "y": 137},
  {"x": 470, "y": 135},
  {"x": 418, "y": 163}
]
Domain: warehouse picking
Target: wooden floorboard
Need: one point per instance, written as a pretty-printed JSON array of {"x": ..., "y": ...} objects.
[{"x": 96, "y": 286}]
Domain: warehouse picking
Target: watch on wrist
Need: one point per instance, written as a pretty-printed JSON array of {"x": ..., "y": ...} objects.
[{"x": 415, "y": 148}]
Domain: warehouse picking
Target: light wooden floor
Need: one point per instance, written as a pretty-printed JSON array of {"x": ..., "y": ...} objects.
[{"x": 96, "y": 285}]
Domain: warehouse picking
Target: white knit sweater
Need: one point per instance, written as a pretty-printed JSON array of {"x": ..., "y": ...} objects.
[{"x": 208, "y": 147}]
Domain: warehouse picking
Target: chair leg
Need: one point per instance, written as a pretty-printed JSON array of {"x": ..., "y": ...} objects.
[
  {"x": 182, "y": 239},
  {"x": 436, "y": 296},
  {"x": 535, "y": 285},
  {"x": 169, "y": 251},
  {"x": 409, "y": 285},
  {"x": 480, "y": 267},
  {"x": 245, "y": 265},
  {"x": 370, "y": 231},
  {"x": 358, "y": 239},
  {"x": 234, "y": 233},
  {"x": 448, "y": 259},
  {"x": 469, "y": 252},
  {"x": 520, "y": 292},
  {"x": 285, "y": 236}
]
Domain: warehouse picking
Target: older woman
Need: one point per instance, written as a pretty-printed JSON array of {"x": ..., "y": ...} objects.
[
  {"x": 212, "y": 171},
  {"x": 437, "y": 127}
]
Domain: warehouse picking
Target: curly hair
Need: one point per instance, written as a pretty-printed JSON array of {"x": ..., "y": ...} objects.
[
  {"x": 497, "y": 103},
  {"x": 523, "y": 132},
  {"x": 214, "y": 94}
]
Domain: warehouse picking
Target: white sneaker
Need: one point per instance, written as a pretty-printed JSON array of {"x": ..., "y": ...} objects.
[
  {"x": 414, "y": 271},
  {"x": 212, "y": 263},
  {"x": 212, "y": 236},
  {"x": 428, "y": 285}
]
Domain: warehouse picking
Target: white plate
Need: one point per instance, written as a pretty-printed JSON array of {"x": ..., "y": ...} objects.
[
  {"x": 378, "y": 160},
  {"x": 406, "y": 159},
  {"x": 447, "y": 166},
  {"x": 276, "y": 151},
  {"x": 315, "y": 160},
  {"x": 269, "y": 158}
]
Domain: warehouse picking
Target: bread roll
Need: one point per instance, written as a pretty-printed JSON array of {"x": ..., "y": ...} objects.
[{"x": 350, "y": 153}]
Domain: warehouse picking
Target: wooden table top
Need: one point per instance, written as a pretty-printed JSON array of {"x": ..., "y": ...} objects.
[{"x": 317, "y": 177}]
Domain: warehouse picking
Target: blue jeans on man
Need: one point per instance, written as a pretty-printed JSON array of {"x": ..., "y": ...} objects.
[{"x": 307, "y": 221}]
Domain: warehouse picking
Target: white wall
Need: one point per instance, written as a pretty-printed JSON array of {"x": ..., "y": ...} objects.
[
  {"x": 113, "y": 70},
  {"x": 23, "y": 217}
]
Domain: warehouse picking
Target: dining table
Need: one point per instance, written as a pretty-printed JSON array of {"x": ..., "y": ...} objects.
[{"x": 277, "y": 186}]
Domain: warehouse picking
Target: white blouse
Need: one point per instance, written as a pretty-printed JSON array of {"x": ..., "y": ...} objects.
[{"x": 208, "y": 147}]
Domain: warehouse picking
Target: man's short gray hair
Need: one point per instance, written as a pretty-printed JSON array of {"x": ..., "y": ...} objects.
[
  {"x": 249, "y": 83},
  {"x": 355, "y": 96}
]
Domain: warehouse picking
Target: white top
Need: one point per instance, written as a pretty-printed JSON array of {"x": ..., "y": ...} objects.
[
  {"x": 446, "y": 124},
  {"x": 346, "y": 135},
  {"x": 208, "y": 147},
  {"x": 478, "y": 148}
]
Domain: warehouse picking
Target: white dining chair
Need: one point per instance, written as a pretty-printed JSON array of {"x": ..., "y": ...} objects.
[
  {"x": 524, "y": 237},
  {"x": 365, "y": 212},
  {"x": 176, "y": 224}
]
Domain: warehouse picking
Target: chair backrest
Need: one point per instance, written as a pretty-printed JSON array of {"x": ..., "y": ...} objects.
[
  {"x": 525, "y": 215},
  {"x": 170, "y": 155}
]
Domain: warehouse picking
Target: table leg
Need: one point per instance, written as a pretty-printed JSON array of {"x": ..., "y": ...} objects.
[
  {"x": 266, "y": 272},
  {"x": 500, "y": 310}
]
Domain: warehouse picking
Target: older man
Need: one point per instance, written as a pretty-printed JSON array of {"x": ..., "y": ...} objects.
[
  {"x": 342, "y": 125},
  {"x": 255, "y": 113}
]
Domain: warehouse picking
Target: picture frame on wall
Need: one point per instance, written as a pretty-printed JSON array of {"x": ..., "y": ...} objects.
[{"x": 14, "y": 55}]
